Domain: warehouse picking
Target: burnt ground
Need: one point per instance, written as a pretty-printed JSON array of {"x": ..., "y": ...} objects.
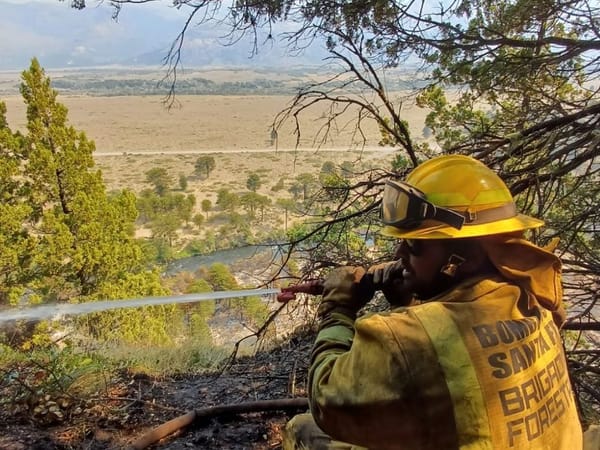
[{"x": 135, "y": 404}]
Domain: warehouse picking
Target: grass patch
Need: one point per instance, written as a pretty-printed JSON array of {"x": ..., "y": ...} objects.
[{"x": 188, "y": 357}]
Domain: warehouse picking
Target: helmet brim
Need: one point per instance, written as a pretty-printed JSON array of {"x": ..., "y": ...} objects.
[{"x": 429, "y": 230}]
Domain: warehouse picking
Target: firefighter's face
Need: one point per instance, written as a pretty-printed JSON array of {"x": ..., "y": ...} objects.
[{"x": 423, "y": 260}]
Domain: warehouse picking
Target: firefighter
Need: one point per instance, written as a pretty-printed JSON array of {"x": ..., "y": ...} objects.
[{"x": 470, "y": 356}]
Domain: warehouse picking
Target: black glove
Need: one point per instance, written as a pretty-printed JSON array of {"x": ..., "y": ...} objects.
[{"x": 387, "y": 277}]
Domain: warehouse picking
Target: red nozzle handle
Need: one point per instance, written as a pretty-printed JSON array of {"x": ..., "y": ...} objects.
[{"x": 313, "y": 287}]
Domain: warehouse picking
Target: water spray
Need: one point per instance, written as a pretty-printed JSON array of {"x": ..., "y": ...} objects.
[{"x": 63, "y": 309}]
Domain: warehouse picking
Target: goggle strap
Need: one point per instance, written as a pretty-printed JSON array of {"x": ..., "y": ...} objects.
[
  {"x": 491, "y": 214},
  {"x": 457, "y": 220},
  {"x": 452, "y": 218}
]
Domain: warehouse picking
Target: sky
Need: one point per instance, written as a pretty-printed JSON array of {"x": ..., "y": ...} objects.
[{"x": 60, "y": 36}]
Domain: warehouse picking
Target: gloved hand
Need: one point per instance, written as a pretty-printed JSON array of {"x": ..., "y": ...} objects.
[
  {"x": 387, "y": 277},
  {"x": 346, "y": 290}
]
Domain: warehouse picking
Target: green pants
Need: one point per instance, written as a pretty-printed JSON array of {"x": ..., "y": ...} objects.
[
  {"x": 302, "y": 433},
  {"x": 591, "y": 438}
]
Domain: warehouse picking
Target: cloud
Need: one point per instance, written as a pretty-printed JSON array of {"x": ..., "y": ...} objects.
[
  {"x": 80, "y": 50},
  {"x": 62, "y": 35}
]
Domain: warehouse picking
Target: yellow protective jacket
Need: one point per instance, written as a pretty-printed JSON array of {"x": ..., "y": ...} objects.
[{"x": 479, "y": 367}]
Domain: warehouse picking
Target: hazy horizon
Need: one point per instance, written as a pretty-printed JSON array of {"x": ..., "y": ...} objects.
[{"x": 62, "y": 37}]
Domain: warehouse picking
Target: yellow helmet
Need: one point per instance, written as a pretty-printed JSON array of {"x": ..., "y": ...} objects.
[{"x": 451, "y": 196}]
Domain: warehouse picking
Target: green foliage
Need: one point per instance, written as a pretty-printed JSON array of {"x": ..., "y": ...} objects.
[
  {"x": 512, "y": 83},
  {"x": 152, "y": 206},
  {"x": 253, "y": 201},
  {"x": 206, "y": 309},
  {"x": 205, "y": 165},
  {"x": 253, "y": 182},
  {"x": 307, "y": 181},
  {"x": 164, "y": 228},
  {"x": 400, "y": 163},
  {"x": 198, "y": 220},
  {"x": 332, "y": 182},
  {"x": 46, "y": 384},
  {"x": 347, "y": 169},
  {"x": 159, "y": 250},
  {"x": 148, "y": 326},
  {"x": 160, "y": 179},
  {"x": 254, "y": 310},
  {"x": 199, "y": 312},
  {"x": 16, "y": 242},
  {"x": 183, "y": 182},
  {"x": 200, "y": 246},
  {"x": 328, "y": 169},
  {"x": 220, "y": 278},
  {"x": 444, "y": 118},
  {"x": 390, "y": 130},
  {"x": 227, "y": 201},
  {"x": 72, "y": 238},
  {"x": 199, "y": 330},
  {"x": 206, "y": 206},
  {"x": 288, "y": 205},
  {"x": 199, "y": 285},
  {"x": 237, "y": 233},
  {"x": 295, "y": 189},
  {"x": 139, "y": 284},
  {"x": 341, "y": 242},
  {"x": 188, "y": 357},
  {"x": 165, "y": 214},
  {"x": 154, "y": 325}
]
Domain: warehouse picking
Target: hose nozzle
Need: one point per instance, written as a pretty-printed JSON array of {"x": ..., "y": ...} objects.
[{"x": 312, "y": 287}]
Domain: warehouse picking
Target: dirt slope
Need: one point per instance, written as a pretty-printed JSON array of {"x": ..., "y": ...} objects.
[{"x": 134, "y": 404}]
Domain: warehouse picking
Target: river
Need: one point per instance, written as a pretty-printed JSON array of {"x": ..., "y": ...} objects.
[{"x": 228, "y": 257}]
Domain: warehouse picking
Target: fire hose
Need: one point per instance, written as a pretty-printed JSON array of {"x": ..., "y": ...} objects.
[{"x": 178, "y": 423}]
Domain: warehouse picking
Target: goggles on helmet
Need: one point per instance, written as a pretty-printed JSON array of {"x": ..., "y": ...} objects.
[{"x": 404, "y": 206}]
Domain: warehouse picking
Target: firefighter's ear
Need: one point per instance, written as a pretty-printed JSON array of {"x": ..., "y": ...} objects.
[
  {"x": 452, "y": 266},
  {"x": 467, "y": 258}
]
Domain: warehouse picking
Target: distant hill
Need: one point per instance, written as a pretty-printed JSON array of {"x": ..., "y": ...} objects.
[
  {"x": 62, "y": 37},
  {"x": 88, "y": 52},
  {"x": 119, "y": 80}
]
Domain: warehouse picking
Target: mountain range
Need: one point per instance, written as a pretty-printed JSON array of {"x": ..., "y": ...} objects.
[{"x": 63, "y": 37}]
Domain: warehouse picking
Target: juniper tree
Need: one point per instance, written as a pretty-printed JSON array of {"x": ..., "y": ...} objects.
[
  {"x": 77, "y": 239},
  {"x": 16, "y": 240},
  {"x": 62, "y": 237}
]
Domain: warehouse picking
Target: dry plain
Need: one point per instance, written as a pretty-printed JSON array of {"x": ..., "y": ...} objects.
[{"x": 136, "y": 133}]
